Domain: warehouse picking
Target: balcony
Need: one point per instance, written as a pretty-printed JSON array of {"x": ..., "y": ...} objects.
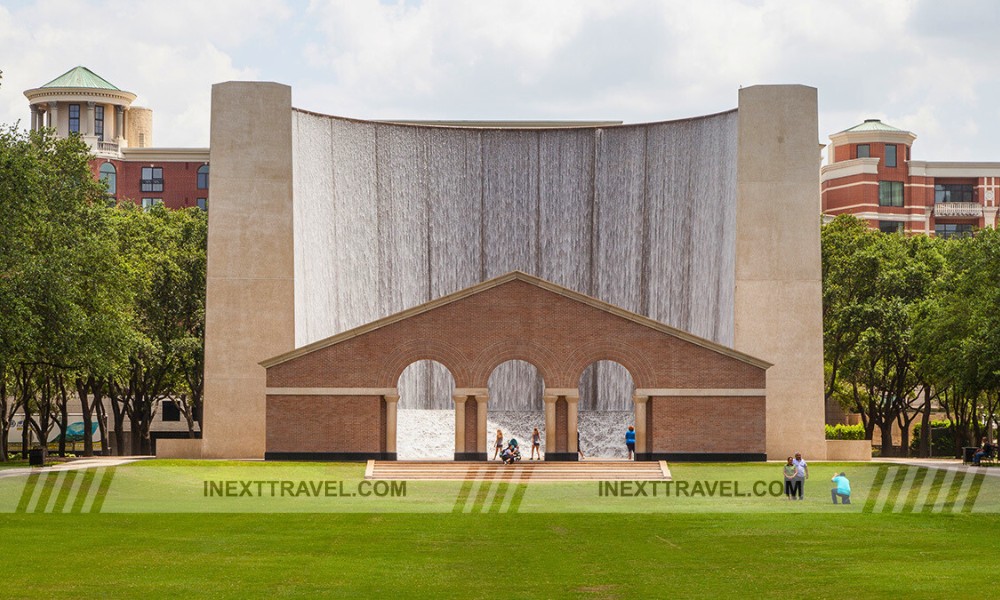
[{"x": 958, "y": 209}]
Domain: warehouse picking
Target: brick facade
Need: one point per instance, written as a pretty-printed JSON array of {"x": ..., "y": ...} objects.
[
  {"x": 516, "y": 317},
  {"x": 180, "y": 181},
  {"x": 850, "y": 184}
]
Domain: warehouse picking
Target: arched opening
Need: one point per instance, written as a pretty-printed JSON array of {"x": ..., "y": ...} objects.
[
  {"x": 425, "y": 415},
  {"x": 516, "y": 407},
  {"x": 606, "y": 409}
]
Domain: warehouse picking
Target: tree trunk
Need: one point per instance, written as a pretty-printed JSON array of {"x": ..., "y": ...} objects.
[
  {"x": 63, "y": 415},
  {"x": 83, "y": 391},
  {"x": 887, "y": 449},
  {"x": 925, "y": 425}
]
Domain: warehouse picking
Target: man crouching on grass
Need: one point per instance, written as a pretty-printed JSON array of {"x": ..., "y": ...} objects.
[{"x": 843, "y": 489}]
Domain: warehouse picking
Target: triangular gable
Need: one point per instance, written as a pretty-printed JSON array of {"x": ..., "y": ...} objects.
[{"x": 529, "y": 279}]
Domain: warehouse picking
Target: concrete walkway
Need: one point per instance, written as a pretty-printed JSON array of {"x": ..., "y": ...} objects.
[
  {"x": 948, "y": 464},
  {"x": 74, "y": 465}
]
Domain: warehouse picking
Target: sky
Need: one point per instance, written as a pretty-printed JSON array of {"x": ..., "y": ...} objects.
[{"x": 927, "y": 66}]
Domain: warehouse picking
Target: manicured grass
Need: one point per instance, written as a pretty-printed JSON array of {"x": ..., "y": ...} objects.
[
  {"x": 507, "y": 556},
  {"x": 630, "y": 547}
]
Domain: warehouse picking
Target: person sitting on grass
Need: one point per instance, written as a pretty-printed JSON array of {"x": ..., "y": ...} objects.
[{"x": 843, "y": 489}]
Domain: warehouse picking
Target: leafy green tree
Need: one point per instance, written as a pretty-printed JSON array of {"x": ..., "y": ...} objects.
[
  {"x": 58, "y": 270},
  {"x": 873, "y": 284},
  {"x": 166, "y": 253},
  {"x": 958, "y": 335}
]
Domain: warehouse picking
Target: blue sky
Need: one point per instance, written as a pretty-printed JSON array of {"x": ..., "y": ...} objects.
[{"x": 923, "y": 65}]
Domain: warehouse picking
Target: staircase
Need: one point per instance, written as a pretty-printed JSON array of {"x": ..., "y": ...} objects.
[{"x": 524, "y": 471}]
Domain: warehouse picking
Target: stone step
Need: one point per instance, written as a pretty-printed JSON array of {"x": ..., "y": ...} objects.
[{"x": 540, "y": 471}]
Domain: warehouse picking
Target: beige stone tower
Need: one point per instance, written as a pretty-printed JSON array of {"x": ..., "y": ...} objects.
[{"x": 778, "y": 276}]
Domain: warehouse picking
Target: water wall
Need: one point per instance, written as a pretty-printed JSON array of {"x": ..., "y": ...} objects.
[{"x": 388, "y": 216}]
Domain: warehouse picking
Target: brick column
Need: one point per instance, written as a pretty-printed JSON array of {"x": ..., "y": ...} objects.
[
  {"x": 641, "y": 450},
  {"x": 459, "y": 425},
  {"x": 391, "y": 402}
]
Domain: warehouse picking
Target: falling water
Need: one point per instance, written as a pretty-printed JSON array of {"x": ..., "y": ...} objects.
[{"x": 390, "y": 216}]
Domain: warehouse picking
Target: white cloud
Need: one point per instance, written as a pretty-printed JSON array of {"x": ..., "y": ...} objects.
[{"x": 918, "y": 64}]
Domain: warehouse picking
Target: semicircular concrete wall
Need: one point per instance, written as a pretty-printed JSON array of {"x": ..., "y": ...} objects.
[{"x": 388, "y": 216}]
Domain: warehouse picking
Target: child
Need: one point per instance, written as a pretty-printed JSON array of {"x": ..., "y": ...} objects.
[{"x": 498, "y": 445}]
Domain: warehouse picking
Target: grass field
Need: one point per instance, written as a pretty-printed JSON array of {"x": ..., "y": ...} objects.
[{"x": 687, "y": 551}]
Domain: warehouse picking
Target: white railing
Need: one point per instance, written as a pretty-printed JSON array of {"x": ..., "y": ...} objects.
[
  {"x": 107, "y": 147},
  {"x": 958, "y": 209}
]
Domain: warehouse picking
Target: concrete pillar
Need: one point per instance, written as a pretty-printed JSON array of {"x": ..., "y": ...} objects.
[
  {"x": 34, "y": 117},
  {"x": 572, "y": 412},
  {"x": 250, "y": 297},
  {"x": 550, "y": 423},
  {"x": 89, "y": 126},
  {"x": 119, "y": 123},
  {"x": 778, "y": 298},
  {"x": 391, "y": 402},
  {"x": 53, "y": 113},
  {"x": 459, "y": 424},
  {"x": 481, "y": 401},
  {"x": 640, "y": 403}
]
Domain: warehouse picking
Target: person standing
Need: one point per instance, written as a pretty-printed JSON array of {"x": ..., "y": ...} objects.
[
  {"x": 498, "y": 445},
  {"x": 801, "y": 473},
  {"x": 843, "y": 489},
  {"x": 630, "y": 442},
  {"x": 536, "y": 444},
  {"x": 790, "y": 471}
]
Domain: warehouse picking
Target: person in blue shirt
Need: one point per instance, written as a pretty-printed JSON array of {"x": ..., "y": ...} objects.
[
  {"x": 843, "y": 489},
  {"x": 630, "y": 442}
]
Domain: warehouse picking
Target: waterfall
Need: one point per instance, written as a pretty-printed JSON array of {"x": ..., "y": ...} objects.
[{"x": 389, "y": 216}]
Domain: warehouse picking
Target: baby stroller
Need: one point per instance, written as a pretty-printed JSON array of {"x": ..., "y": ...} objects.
[{"x": 511, "y": 453}]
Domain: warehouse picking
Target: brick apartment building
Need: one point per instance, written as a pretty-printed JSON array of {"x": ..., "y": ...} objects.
[
  {"x": 870, "y": 174},
  {"x": 120, "y": 137}
]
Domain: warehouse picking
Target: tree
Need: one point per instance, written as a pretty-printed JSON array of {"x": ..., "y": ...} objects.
[
  {"x": 873, "y": 284},
  {"x": 58, "y": 268},
  {"x": 166, "y": 251}
]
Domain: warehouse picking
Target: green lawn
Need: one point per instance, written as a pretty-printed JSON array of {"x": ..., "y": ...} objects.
[{"x": 766, "y": 551}]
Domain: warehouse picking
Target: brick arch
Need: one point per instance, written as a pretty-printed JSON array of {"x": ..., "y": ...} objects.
[
  {"x": 635, "y": 362},
  {"x": 501, "y": 351},
  {"x": 412, "y": 351}
]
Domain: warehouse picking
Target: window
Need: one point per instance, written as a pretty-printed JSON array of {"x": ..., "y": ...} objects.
[
  {"x": 203, "y": 177},
  {"x": 148, "y": 203},
  {"x": 152, "y": 179},
  {"x": 953, "y": 192},
  {"x": 108, "y": 176},
  {"x": 890, "y": 193},
  {"x": 74, "y": 118},
  {"x": 864, "y": 151},
  {"x": 203, "y": 203},
  {"x": 948, "y": 230},
  {"x": 890, "y": 226},
  {"x": 99, "y": 122},
  {"x": 890, "y": 155},
  {"x": 170, "y": 411}
]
